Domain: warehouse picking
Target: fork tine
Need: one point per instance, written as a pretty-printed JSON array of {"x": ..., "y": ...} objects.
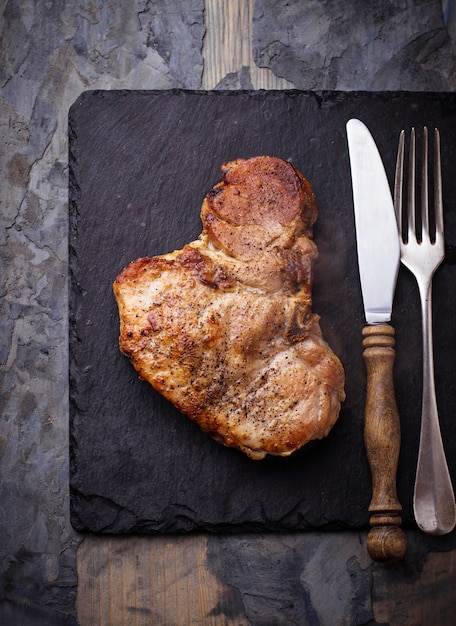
[
  {"x": 411, "y": 205},
  {"x": 416, "y": 222},
  {"x": 438, "y": 201},
  {"x": 425, "y": 188},
  {"x": 398, "y": 184}
]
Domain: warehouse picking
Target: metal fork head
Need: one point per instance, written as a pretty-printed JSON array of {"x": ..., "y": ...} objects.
[
  {"x": 422, "y": 253},
  {"x": 419, "y": 224}
]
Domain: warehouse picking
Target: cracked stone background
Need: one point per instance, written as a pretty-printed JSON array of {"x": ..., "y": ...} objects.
[{"x": 50, "y": 52}]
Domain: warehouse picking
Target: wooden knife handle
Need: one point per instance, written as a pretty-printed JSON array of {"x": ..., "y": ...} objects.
[{"x": 382, "y": 437}]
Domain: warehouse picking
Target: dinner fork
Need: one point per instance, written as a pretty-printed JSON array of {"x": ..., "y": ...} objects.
[{"x": 422, "y": 251}]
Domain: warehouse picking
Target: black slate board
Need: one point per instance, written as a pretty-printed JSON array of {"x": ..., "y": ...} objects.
[{"x": 140, "y": 165}]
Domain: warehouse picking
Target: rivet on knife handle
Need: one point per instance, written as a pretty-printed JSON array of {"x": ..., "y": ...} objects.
[{"x": 386, "y": 541}]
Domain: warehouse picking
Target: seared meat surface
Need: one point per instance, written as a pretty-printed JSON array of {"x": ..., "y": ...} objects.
[{"x": 224, "y": 328}]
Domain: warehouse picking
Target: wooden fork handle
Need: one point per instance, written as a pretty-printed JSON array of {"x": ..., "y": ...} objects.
[{"x": 382, "y": 437}]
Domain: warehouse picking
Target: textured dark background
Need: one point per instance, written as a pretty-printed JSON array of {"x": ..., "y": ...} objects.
[{"x": 50, "y": 53}]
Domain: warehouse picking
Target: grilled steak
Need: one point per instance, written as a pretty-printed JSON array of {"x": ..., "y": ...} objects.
[{"x": 224, "y": 328}]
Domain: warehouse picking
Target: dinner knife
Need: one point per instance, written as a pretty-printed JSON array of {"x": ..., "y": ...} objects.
[{"x": 377, "y": 242}]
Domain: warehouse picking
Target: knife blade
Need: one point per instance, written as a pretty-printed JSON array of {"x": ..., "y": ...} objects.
[{"x": 378, "y": 251}]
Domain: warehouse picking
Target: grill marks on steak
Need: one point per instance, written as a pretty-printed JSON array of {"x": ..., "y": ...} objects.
[{"x": 224, "y": 328}]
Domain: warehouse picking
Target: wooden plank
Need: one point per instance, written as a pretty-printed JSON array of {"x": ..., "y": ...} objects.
[
  {"x": 228, "y": 45},
  {"x": 138, "y": 581},
  {"x": 406, "y": 596},
  {"x": 182, "y": 580}
]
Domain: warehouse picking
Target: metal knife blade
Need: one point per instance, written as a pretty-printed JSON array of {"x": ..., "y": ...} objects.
[{"x": 377, "y": 238}]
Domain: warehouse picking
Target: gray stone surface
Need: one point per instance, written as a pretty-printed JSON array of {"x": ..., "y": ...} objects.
[
  {"x": 359, "y": 45},
  {"x": 50, "y": 52},
  {"x": 236, "y": 80},
  {"x": 275, "y": 595}
]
